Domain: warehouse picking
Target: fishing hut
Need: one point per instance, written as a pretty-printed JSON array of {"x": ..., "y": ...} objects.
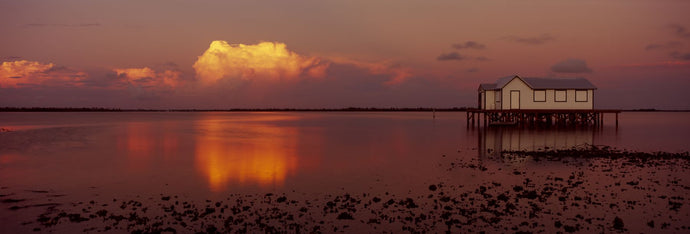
[{"x": 516, "y": 100}]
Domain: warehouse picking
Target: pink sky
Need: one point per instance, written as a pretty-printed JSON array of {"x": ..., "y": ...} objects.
[{"x": 332, "y": 54}]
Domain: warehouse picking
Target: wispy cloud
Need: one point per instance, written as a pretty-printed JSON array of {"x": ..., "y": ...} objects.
[
  {"x": 450, "y": 56},
  {"x": 571, "y": 65},
  {"x": 469, "y": 45},
  {"x": 537, "y": 40},
  {"x": 665, "y": 64},
  {"x": 458, "y": 57},
  {"x": 680, "y": 31},
  {"x": 474, "y": 69},
  {"x": 63, "y": 25},
  {"x": 663, "y": 46},
  {"x": 681, "y": 56},
  {"x": 9, "y": 58}
]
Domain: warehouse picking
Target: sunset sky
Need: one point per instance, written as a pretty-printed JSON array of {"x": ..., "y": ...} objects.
[{"x": 333, "y": 54}]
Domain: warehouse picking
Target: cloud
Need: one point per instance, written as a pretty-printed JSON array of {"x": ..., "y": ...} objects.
[
  {"x": 64, "y": 25},
  {"x": 396, "y": 73},
  {"x": 24, "y": 73},
  {"x": 680, "y": 31},
  {"x": 681, "y": 56},
  {"x": 148, "y": 78},
  {"x": 474, "y": 69},
  {"x": 469, "y": 45},
  {"x": 667, "y": 45},
  {"x": 538, "y": 40},
  {"x": 146, "y": 83},
  {"x": 450, "y": 56},
  {"x": 262, "y": 61},
  {"x": 571, "y": 65},
  {"x": 458, "y": 57},
  {"x": 9, "y": 58},
  {"x": 656, "y": 65}
]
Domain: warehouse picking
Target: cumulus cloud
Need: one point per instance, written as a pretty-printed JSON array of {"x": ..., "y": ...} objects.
[
  {"x": 662, "y": 46},
  {"x": 450, "y": 56},
  {"x": 148, "y": 78},
  {"x": 681, "y": 56},
  {"x": 571, "y": 65},
  {"x": 469, "y": 45},
  {"x": 147, "y": 83},
  {"x": 538, "y": 40},
  {"x": 24, "y": 73},
  {"x": 680, "y": 31},
  {"x": 262, "y": 61}
]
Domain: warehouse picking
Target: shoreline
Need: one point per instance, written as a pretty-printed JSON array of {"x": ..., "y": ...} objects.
[{"x": 532, "y": 201}]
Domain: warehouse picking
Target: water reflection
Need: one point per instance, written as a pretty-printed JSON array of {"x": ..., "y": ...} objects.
[
  {"x": 142, "y": 141},
  {"x": 492, "y": 141},
  {"x": 245, "y": 153}
]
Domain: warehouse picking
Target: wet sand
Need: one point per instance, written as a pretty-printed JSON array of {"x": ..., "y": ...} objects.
[{"x": 596, "y": 189}]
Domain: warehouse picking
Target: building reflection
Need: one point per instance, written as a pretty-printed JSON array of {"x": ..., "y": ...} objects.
[
  {"x": 244, "y": 153},
  {"x": 493, "y": 141}
]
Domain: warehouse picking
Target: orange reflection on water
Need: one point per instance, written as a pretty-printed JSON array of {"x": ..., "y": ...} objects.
[{"x": 245, "y": 153}]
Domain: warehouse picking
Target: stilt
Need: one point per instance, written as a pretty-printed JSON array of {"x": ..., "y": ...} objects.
[
  {"x": 467, "y": 118},
  {"x": 616, "y": 119},
  {"x": 535, "y": 118}
]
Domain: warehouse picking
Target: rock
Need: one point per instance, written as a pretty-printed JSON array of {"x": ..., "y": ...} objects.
[
  {"x": 618, "y": 223},
  {"x": 345, "y": 215}
]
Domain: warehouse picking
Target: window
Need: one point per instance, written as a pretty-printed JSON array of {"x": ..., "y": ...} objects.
[
  {"x": 540, "y": 95},
  {"x": 581, "y": 95},
  {"x": 560, "y": 96}
]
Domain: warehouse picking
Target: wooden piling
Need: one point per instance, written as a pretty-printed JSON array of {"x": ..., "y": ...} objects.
[{"x": 580, "y": 117}]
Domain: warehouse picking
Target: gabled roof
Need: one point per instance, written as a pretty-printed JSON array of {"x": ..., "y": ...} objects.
[
  {"x": 487, "y": 86},
  {"x": 542, "y": 83},
  {"x": 552, "y": 83}
]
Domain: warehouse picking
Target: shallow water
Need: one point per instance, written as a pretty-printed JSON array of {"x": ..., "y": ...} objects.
[{"x": 209, "y": 155}]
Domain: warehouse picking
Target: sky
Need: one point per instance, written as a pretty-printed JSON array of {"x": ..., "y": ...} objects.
[{"x": 334, "y": 54}]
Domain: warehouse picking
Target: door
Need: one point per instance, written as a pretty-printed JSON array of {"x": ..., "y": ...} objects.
[
  {"x": 479, "y": 105},
  {"x": 514, "y": 99}
]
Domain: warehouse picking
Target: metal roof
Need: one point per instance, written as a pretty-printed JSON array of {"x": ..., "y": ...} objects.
[
  {"x": 487, "y": 86},
  {"x": 542, "y": 83},
  {"x": 552, "y": 83}
]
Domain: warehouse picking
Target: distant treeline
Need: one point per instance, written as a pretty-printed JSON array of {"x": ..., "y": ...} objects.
[
  {"x": 100, "y": 109},
  {"x": 390, "y": 109}
]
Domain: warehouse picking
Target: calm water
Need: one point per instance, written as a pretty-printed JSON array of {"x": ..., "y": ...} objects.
[{"x": 210, "y": 155}]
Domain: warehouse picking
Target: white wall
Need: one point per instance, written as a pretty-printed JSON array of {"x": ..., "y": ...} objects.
[
  {"x": 489, "y": 102},
  {"x": 527, "y": 98}
]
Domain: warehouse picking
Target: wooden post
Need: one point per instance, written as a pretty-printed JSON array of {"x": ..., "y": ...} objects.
[
  {"x": 616, "y": 119},
  {"x": 467, "y": 118}
]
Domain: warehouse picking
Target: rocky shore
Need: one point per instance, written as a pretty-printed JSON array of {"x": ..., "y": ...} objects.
[{"x": 592, "y": 189}]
